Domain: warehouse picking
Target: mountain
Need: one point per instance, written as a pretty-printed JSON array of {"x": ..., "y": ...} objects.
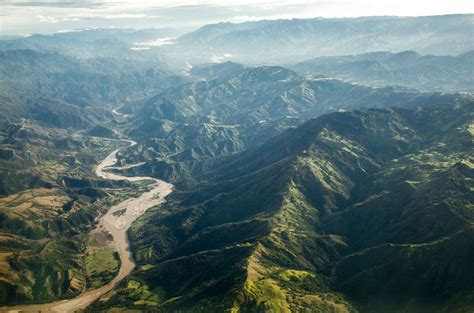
[
  {"x": 54, "y": 90},
  {"x": 241, "y": 108},
  {"x": 290, "y": 41},
  {"x": 262, "y": 42},
  {"x": 53, "y": 108},
  {"x": 408, "y": 68},
  {"x": 48, "y": 112},
  {"x": 94, "y": 43},
  {"x": 50, "y": 199},
  {"x": 293, "y": 191},
  {"x": 216, "y": 71},
  {"x": 369, "y": 210},
  {"x": 82, "y": 82}
]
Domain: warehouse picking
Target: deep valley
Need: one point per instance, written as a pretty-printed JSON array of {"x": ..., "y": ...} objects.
[{"x": 288, "y": 165}]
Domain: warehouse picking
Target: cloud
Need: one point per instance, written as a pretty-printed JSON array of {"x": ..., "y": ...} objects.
[
  {"x": 156, "y": 42},
  {"x": 47, "y": 19},
  {"x": 124, "y": 16},
  {"x": 47, "y": 16},
  {"x": 220, "y": 58},
  {"x": 246, "y": 18},
  {"x": 89, "y": 16},
  {"x": 53, "y": 4},
  {"x": 62, "y": 31},
  {"x": 145, "y": 45},
  {"x": 139, "y": 48}
]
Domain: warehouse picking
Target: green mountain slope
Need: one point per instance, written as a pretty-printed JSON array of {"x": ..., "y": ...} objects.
[
  {"x": 95, "y": 82},
  {"x": 183, "y": 127},
  {"x": 368, "y": 211},
  {"x": 49, "y": 201},
  {"x": 52, "y": 106}
]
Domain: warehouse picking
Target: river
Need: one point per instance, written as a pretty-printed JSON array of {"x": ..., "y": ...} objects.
[{"x": 117, "y": 226}]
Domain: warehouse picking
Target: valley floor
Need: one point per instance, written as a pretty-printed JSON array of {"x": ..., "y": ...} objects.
[{"x": 117, "y": 225}]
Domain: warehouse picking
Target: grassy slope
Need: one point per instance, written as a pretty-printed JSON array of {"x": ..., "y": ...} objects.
[
  {"x": 49, "y": 195},
  {"x": 102, "y": 260},
  {"x": 368, "y": 210},
  {"x": 181, "y": 130},
  {"x": 50, "y": 201}
]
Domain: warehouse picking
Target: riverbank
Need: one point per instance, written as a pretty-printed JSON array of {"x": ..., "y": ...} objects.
[{"x": 117, "y": 226}]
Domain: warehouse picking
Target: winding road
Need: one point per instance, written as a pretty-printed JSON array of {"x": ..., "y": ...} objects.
[{"x": 117, "y": 226}]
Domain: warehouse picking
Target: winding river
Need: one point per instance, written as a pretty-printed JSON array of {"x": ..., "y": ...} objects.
[{"x": 117, "y": 226}]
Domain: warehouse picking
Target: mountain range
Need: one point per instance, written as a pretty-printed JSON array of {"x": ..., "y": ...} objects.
[
  {"x": 242, "y": 108},
  {"x": 366, "y": 210},
  {"x": 266, "y": 42},
  {"x": 92, "y": 43},
  {"x": 319, "y": 165},
  {"x": 290, "y": 41},
  {"x": 408, "y": 68}
]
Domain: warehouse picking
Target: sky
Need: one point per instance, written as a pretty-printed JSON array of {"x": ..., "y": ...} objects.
[{"x": 24, "y": 17}]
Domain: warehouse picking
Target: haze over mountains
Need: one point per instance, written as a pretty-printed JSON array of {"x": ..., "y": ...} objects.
[
  {"x": 90, "y": 42},
  {"x": 265, "y": 42},
  {"x": 285, "y": 41},
  {"x": 407, "y": 68},
  {"x": 319, "y": 165}
]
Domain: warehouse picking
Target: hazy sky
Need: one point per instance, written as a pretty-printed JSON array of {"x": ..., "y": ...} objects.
[{"x": 48, "y": 16}]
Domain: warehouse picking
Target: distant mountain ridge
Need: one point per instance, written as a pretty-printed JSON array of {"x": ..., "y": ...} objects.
[
  {"x": 408, "y": 68},
  {"x": 65, "y": 91},
  {"x": 92, "y": 43},
  {"x": 265, "y": 42},
  {"x": 92, "y": 82},
  {"x": 290, "y": 41}
]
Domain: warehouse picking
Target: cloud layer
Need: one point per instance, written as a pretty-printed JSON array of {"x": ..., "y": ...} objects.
[{"x": 48, "y": 16}]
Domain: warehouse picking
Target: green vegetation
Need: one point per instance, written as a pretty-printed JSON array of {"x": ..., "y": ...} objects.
[
  {"x": 368, "y": 210},
  {"x": 102, "y": 260},
  {"x": 183, "y": 131},
  {"x": 136, "y": 293},
  {"x": 353, "y": 211},
  {"x": 119, "y": 212},
  {"x": 72, "y": 84},
  {"x": 51, "y": 201}
]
